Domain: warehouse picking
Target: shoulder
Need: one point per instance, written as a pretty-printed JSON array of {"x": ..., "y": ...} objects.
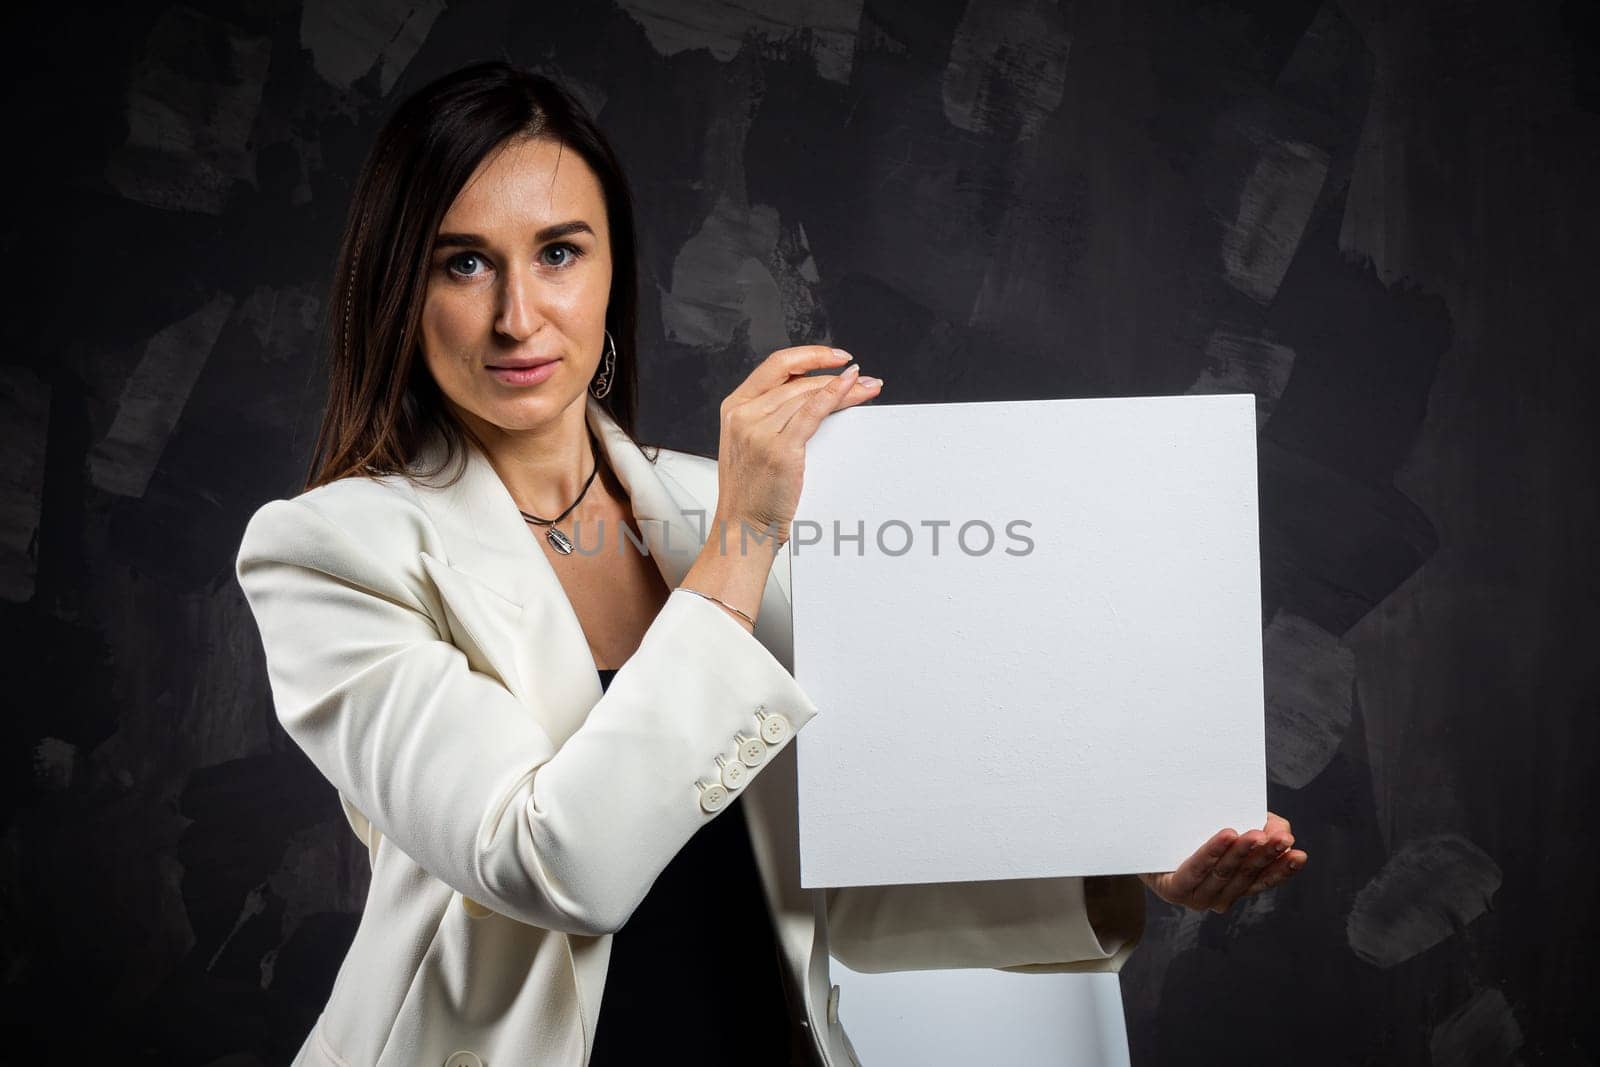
[{"x": 382, "y": 514}]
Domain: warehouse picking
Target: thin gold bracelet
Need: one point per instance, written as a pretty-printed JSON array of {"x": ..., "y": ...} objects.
[{"x": 724, "y": 603}]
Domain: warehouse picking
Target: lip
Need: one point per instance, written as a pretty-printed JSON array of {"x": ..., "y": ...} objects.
[
  {"x": 524, "y": 364},
  {"x": 525, "y": 372}
]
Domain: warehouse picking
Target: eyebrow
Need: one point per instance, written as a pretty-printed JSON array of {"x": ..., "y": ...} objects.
[{"x": 549, "y": 233}]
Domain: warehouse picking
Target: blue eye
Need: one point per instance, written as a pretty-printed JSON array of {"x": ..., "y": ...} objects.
[
  {"x": 575, "y": 254},
  {"x": 571, "y": 253},
  {"x": 457, "y": 259}
]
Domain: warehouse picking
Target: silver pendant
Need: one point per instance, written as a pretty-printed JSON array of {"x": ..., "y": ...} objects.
[{"x": 559, "y": 540}]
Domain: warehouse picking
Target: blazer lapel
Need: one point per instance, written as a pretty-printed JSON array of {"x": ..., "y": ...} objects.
[{"x": 501, "y": 595}]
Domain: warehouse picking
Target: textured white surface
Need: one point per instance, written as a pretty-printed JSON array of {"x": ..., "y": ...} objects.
[
  {"x": 955, "y": 1018},
  {"x": 1091, "y": 704}
]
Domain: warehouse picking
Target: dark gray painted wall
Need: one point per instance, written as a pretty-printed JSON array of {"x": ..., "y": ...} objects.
[{"x": 1380, "y": 219}]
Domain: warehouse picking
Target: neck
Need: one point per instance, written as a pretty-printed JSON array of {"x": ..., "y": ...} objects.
[{"x": 545, "y": 467}]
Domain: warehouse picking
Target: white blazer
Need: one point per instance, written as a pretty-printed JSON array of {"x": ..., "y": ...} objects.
[{"x": 421, "y": 650}]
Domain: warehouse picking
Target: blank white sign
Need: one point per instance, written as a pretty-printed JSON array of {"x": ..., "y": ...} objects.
[{"x": 1033, "y": 630}]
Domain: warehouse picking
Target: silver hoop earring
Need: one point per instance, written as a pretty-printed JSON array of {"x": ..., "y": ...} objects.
[{"x": 602, "y": 383}]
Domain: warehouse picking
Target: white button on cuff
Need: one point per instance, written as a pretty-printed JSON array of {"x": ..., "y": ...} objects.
[
  {"x": 463, "y": 1059},
  {"x": 752, "y": 750},
  {"x": 713, "y": 797},
  {"x": 775, "y": 728},
  {"x": 734, "y": 773}
]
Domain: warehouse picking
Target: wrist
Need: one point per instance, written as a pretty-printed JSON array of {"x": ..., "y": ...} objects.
[
  {"x": 748, "y": 624},
  {"x": 734, "y": 581},
  {"x": 740, "y": 535},
  {"x": 743, "y": 618}
]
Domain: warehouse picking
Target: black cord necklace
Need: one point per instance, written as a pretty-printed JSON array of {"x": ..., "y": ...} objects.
[{"x": 561, "y": 542}]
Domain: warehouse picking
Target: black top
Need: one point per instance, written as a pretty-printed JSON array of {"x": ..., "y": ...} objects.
[{"x": 696, "y": 971}]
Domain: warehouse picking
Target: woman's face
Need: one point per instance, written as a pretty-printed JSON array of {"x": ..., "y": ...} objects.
[{"x": 521, "y": 273}]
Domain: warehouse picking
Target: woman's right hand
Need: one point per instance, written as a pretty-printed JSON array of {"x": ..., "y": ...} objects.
[{"x": 766, "y": 423}]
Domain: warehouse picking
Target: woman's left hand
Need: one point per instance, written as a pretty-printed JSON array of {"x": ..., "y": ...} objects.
[{"x": 1230, "y": 866}]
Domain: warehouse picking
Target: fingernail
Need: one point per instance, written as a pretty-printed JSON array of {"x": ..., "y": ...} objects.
[
  {"x": 1280, "y": 848},
  {"x": 851, "y": 371},
  {"x": 871, "y": 383},
  {"x": 839, "y": 353}
]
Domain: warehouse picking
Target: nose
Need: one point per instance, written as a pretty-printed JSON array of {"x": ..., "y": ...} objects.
[{"x": 518, "y": 314}]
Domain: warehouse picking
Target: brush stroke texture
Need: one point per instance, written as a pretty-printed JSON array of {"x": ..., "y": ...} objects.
[
  {"x": 1310, "y": 681},
  {"x": 347, "y": 38},
  {"x": 190, "y": 110},
  {"x": 153, "y": 399},
  {"x": 826, "y": 28},
  {"x": 1007, "y": 68},
  {"x": 1428, "y": 891}
]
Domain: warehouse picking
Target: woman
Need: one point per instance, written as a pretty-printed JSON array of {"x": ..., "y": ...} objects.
[{"x": 555, "y": 703}]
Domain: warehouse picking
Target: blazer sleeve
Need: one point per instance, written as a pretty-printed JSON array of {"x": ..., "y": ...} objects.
[
  {"x": 1023, "y": 924},
  {"x": 455, "y": 770}
]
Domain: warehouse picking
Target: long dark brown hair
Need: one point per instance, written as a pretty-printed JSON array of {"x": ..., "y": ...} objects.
[{"x": 382, "y": 400}]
